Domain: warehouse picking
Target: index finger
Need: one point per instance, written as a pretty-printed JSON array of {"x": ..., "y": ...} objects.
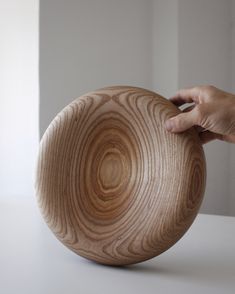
[{"x": 186, "y": 96}]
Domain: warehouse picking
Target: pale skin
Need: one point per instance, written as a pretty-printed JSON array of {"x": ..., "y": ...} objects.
[{"x": 212, "y": 112}]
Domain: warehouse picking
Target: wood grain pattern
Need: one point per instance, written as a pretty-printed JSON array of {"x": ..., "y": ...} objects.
[{"x": 112, "y": 184}]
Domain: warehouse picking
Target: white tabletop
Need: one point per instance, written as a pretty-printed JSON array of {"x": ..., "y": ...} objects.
[{"x": 33, "y": 261}]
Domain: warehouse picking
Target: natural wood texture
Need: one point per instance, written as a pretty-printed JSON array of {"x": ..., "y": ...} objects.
[{"x": 112, "y": 184}]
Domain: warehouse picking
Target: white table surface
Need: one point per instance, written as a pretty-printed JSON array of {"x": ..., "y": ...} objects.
[{"x": 33, "y": 261}]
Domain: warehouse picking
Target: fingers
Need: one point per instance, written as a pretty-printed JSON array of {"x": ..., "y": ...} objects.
[
  {"x": 185, "y": 121},
  {"x": 186, "y": 96},
  {"x": 227, "y": 138},
  {"x": 208, "y": 136},
  {"x": 181, "y": 122},
  {"x": 189, "y": 108}
]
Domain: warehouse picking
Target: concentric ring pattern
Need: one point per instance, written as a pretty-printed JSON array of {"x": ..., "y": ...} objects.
[{"x": 112, "y": 184}]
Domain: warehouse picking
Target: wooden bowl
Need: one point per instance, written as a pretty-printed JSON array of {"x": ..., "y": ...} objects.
[{"x": 112, "y": 184}]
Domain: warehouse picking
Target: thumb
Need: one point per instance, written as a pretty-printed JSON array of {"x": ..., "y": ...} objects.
[{"x": 181, "y": 122}]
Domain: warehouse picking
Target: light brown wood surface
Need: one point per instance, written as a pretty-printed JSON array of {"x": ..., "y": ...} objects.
[{"x": 112, "y": 184}]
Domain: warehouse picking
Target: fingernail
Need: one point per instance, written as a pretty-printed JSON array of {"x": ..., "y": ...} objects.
[{"x": 169, "y": 125}]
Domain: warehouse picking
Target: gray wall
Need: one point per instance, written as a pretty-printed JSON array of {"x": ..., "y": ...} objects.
[
  {"x": 90, "y": 44},
  {"x": 204, "y": 58},
  {"x": 157, "y": 44},
  {"x": 232, "y": 147}
]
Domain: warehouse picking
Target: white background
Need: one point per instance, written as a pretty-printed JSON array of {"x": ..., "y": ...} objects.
[
  {"x": 18, "y": 97},
  {"x": 161, "y": 45}
]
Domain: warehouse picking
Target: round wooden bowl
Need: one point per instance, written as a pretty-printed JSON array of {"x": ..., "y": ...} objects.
[{"x": 112, "y": 184}]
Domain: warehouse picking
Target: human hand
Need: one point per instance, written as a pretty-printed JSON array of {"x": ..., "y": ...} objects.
[{"x": 213, "y": 112}]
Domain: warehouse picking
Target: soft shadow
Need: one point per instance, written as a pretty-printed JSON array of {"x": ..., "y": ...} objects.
[
  {"x": 197, "y": 269},
  {"x": 145, "y": 267}
]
